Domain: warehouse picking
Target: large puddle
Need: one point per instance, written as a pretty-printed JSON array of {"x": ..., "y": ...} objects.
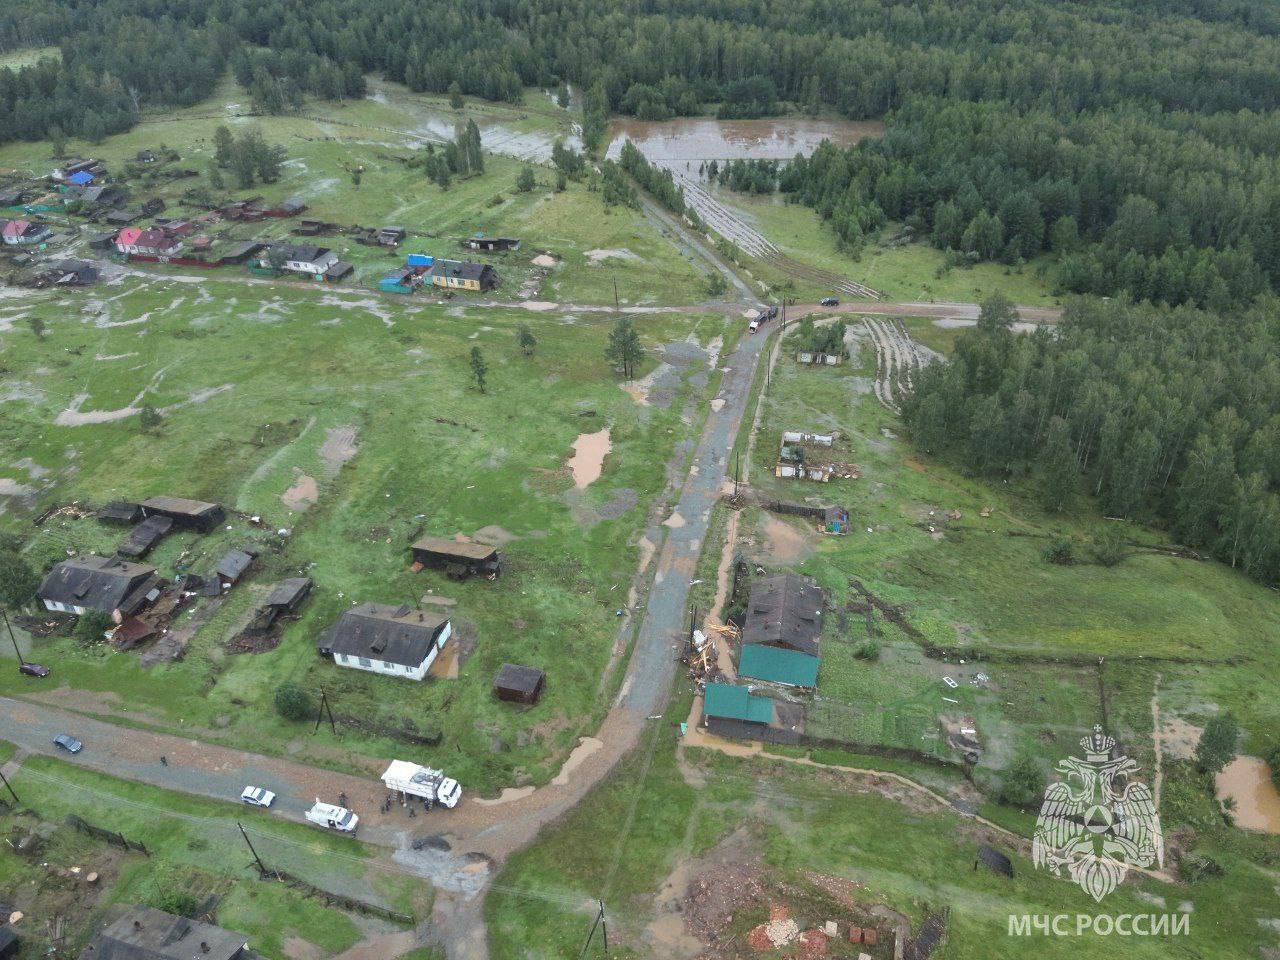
[
  {"x": 589, "y": 451},
  {"x": 695, "y": 139},
  {"x": 1248, "y": 781}
]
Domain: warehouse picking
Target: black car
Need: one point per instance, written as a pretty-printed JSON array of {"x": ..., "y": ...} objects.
[
  {"x": 830, "y": 302},
  {"x": 33, "y": 670}
]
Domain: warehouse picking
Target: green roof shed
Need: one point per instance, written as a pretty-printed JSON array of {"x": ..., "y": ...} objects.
[
  {"x": 734, "y": 703},
  {"x": 778, "y": 665}
]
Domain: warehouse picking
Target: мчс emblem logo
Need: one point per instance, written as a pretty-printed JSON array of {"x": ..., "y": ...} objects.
[{"x": 1099, "y": 821}]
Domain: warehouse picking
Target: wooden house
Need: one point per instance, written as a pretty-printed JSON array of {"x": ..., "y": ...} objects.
[{"x": 463, "y": 275}]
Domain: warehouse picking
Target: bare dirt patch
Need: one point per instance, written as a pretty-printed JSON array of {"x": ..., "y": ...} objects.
[
  {"x": 340, "y": 445},
  {"x": 786, "y": 544}
]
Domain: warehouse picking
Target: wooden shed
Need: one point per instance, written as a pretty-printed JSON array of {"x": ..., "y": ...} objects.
[
  {"x": 458, "y": 557},
  {"x": 518, "y": 684}
]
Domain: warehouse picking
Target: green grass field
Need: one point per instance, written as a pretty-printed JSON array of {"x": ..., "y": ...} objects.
[
  {"x": 982, "y": 589},
  {"x": 259, "y": 389},
  {"x": 979, "y": 585},
  {"x": 907, "y": 272},
  {"x": 596, "y": 246},
  {"x": 194, "y": 848}
]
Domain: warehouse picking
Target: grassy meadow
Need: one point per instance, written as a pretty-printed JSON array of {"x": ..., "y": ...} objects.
[
  {"x": 194, "y": 849},
  {"x": 981, "y": 589},
  {"x": 904, "y": 271},
  {"x": 596, "y": 246},
  {"x": 351, "y": 423}
]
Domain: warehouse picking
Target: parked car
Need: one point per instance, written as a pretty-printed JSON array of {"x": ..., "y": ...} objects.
[
  {"x": 830, "y": 302},
  {"x": 33, "y": 670},
  {"x": 333, "y": 817},
  {"x": 69, "y": 744},
  {"x": 257, "y": 797}
]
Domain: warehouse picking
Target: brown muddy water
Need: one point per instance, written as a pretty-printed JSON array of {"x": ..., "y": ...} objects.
[
  {"x": 1248, "y": 780},
  {"x": 695, "y": 139}
]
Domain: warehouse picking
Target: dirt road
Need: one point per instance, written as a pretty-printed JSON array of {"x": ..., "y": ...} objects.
[{"x": 479, "y": 834}]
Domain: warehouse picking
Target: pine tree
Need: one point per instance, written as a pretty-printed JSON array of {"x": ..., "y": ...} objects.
[
  {"x": 479, "y": 369},
  {"x": 623, "y": 350},
  {"x": 1060, "y": 473},
  {"x": 223, "y": 146},
  {"x": 1217, "y": 746},
  {"x": 525, "y": 338}
]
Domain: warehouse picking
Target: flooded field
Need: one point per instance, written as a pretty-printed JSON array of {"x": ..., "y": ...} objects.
[
  {"x": 683, "y": 146},
  {"x": 503, "y": 130},
  {"x": 692, "y": 140},
  {"x": 1248, "y": 781}
]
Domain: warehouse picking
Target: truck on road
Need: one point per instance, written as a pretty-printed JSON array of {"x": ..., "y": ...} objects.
[
  {"x": 414, "y": 780},
  {"x": 333, "y": 817}
]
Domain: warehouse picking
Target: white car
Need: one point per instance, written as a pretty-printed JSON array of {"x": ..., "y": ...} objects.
[
  {"x": 332, "y": 817},
  {"x": 257, "y": 797}
]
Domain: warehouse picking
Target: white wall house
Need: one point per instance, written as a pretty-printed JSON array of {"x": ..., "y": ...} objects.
[
  {"x": 309, "y": 260},
  {"x": 114, "y": 587},
  {"x": 394, "y": 641}
]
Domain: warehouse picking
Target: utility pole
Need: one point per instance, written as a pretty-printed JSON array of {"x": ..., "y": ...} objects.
[
  {"x": 598, "y": 923},
  {"x": 8, "y": 786},
  {"x": 323, "y": 709},
  {"x": 737, "y": 470},
  {"x": 14, "y": 640},
  {"x": 617, "y": 304},
  {"x": 262, "y": 868}
]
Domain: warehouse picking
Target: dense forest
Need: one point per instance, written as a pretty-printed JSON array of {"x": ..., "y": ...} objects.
[
  {"x": 1138, "y": 142},
  {"x": 1161, "y": 414}
]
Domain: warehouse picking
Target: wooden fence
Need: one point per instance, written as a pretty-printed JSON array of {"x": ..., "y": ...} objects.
[{"x": 110, "y": 836}]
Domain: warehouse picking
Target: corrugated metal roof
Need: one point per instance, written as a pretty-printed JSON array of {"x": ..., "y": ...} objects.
[
  {"x": 736, "y": 703},
  {"x": 778, "y": 665}
]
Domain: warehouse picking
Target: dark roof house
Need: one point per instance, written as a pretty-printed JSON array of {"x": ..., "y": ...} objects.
[
  {"x": 112, "y": 586},
  {"x": 519, "y": 684},
  {"x": 195, "y": 514},
  {"x": 146, "y": 934},
  {"x": 464, "y": 274},
  {"x": 784, "y": 611},
  {"x": 386, "y": 639}
]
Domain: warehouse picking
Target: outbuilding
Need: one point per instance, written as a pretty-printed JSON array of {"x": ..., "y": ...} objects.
[
  {"x": 458, "y": 557},
  {"x": 190, "y": 514},
  {"x": 288, "y": 595},
  {"x": 518, "y": 684},
  {"x": 233, "y": 566},
  {"x": 491, "y": 244},
  {"x": 145, "y": 536}
]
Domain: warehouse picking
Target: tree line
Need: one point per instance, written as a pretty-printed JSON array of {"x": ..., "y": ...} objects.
[
  {"x": 860, "y": 58},
  {"x": 1171, "y": 208},
  {"x": 1162, "y": 415}
]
